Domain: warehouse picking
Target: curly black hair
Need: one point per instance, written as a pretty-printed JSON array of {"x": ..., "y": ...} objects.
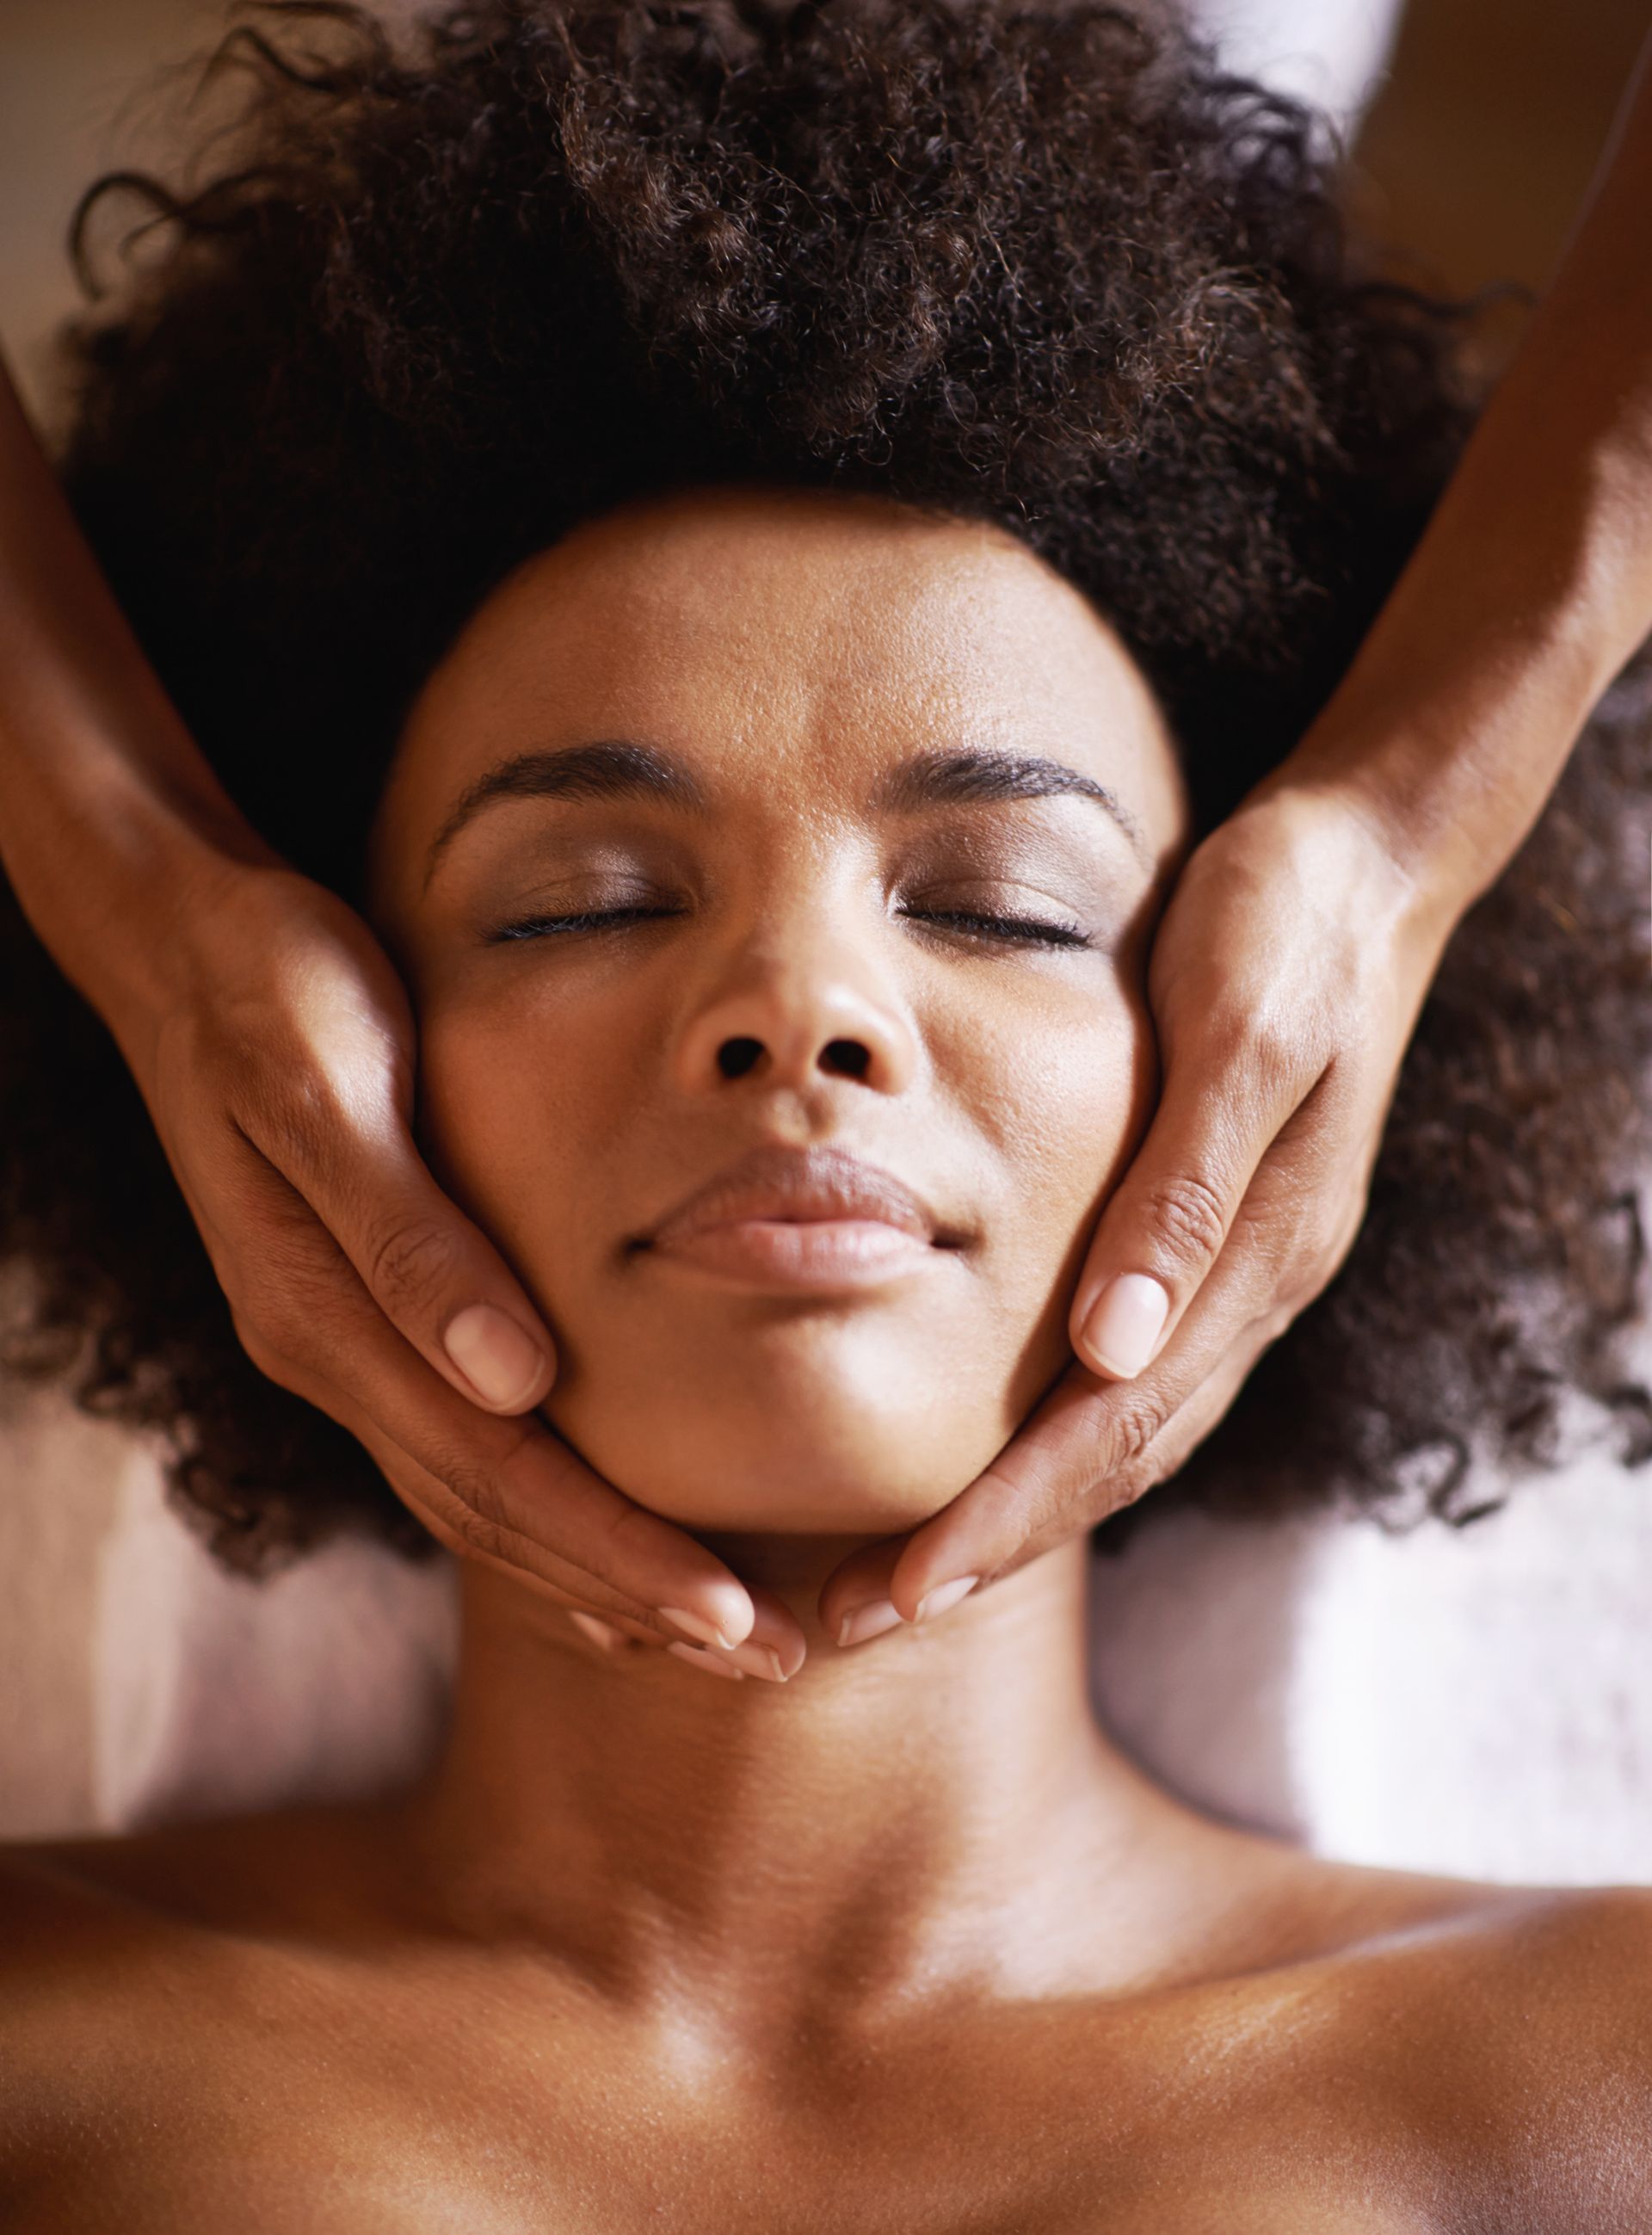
[{"x": 434, "y": 297}]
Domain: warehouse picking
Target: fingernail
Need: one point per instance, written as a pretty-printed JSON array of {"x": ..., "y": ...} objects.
[
  {"x": 944, "y": 1597},
  {"x": 1125, "y": 1322},
  {"x": 751, "y": 1658},
  {"x": 602, "y": 1634},
  {"x": 501, "y": 1361},
  {"x": 869, "y": 1621},
  {"x": 757, "y": 1660},
  {"x": 698, "y": 1626},
  {"x": 697, "y": 1657}
]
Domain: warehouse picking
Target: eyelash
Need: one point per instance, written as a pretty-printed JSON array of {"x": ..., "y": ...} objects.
[
  {"x": 1011, "y": 930},
  {"x": 1015, "y": 930},
  {"x": 542, "y": 927}
]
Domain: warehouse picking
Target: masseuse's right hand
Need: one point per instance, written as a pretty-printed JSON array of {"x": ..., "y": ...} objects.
[
  {"x": 273, "y": 1044},
  {"x": 277, "y": 1058}
]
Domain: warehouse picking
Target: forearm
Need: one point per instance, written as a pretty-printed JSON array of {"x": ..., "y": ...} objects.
[
  {"x": 104, "y": 798},
  {"x": 1533, "y": 582}
]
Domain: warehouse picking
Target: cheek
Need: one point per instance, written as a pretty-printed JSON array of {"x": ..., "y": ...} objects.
[
  {"x": 1064, "y": 1104},
  {"x": 517, "y": 1104}
]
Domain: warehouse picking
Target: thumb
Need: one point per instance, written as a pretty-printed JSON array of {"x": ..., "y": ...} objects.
[{"x": 1167, "y": 1221}]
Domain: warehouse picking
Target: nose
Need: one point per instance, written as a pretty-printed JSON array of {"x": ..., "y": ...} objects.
[{"x": 797, "y": 1015}]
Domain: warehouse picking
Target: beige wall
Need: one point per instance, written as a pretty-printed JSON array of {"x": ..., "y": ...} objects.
[{"x": 67, "y": 67}]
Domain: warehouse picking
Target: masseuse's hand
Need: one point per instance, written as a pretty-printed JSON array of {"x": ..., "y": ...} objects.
[
  {"x": 1301, "y": 937},
  {"x": 1285, "y": 980},
  {"x": 273, "y": 1044},
  {"x": 277, "y": 1060}
]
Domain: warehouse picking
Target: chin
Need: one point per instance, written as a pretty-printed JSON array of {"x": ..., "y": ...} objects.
[{"x": 814, "y": 1458}]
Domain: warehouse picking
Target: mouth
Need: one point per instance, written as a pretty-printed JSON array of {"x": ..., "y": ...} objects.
[{"x": 803, "y": 1220}]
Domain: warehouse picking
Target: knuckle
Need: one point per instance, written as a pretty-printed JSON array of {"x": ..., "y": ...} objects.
[
  {"x": 1266, "y": 1330},
  {"x": 451, "y": 1519},
  {"x": 483, "y": 1539},
  {"x": 1228, "y": 1031},
  {"x": 1145, "y": 1464},
  {"x": 1134, "y": 1437},
  {"x": 1189, "y": 1217},
  {"x": 268, "y": 1348},
  {"x": 407, "y": 1266},
  {"x": 1123, "y": 1437},
  {"x": 1276, "y": 1049},
  {"x": 282, "y": 1104},
  {"x": 294, "y": 1314},
  {"x": 481, "y": 1508},
  {"x": 1306, "y": 1256},
  {"x": 472, "y": 1512},
  {"x": 474, "y": 1476}
]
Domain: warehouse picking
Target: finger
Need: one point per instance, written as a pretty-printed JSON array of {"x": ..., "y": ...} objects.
[
  {"x": 505, "y": 1489},
  {"x": 774, "y": 1648},
  {"x": 562, "y": 1583},
  {"x": 1168, "y": 1222},
  {"x": 1091, "y": 1447},
  {"x": 854, "y": 1603},
  {"x": 431, "y": 1271}
]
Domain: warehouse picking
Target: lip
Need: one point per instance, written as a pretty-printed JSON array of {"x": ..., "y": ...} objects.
[{"x": 800, "y": 1219}]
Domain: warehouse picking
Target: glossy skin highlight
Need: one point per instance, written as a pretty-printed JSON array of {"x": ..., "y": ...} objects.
[{"x": 813, "y": 831}]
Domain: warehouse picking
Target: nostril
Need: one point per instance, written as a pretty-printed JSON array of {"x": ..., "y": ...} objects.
[
  {"x": 737, "y": 1057},
  {"x": 846, "y": 1059}
]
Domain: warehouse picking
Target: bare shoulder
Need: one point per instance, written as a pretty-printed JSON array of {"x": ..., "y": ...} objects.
[
  {"x": 1574, "y": 1971},
  {"x": 280, "y": 1874},
  {"x": 82, "y": 1978},
  {"x": 151, "y": 1986},
  {"x": 110, "y": 1947},
  {"x": 1518, "y": 2034},
  {"x": 116, "y": 1917},
  {"x": 1486, "y": 2048},
  {"x": 64, "y": 1903}
]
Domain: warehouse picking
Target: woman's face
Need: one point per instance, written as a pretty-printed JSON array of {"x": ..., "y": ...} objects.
[{"x": 774, "y": 874}]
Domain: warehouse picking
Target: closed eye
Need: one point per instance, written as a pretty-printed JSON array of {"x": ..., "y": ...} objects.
[
  {"x": 969, "y": 923},
  {"x": 1022, "y": 930},
  {"x": 584, "y": 919}
]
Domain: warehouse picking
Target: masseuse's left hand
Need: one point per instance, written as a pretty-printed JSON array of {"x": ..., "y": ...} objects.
[
  {"x": 1285, "y": 980},
  {"x": 1301, "y": 937}
]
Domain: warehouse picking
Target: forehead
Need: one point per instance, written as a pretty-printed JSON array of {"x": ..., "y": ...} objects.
[{"x": 794, "y": 639}]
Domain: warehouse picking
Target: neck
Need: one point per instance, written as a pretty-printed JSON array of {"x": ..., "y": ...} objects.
[{"x": 933, "y": 1807}]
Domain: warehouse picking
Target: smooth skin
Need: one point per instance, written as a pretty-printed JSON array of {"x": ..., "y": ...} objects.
[
  {"x": 262, "y": 1019},
  {"x": 893, "y": 1941}
]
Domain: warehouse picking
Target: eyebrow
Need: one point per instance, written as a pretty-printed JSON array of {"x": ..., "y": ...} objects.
[
  {"x": 608, "y": 770},
  {"x": 971, "y": 777},
  {"x": 617, "y": 769}
]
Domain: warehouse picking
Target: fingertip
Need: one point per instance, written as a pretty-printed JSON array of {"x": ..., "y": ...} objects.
[
  {"x": 907, "y": 1592},
  {"x": 1122, "y": 1328},
  {"x": 721, "y": 1615},
  {"x": 506, "y": 1368},
  {"x": 943, "y": 1597}
]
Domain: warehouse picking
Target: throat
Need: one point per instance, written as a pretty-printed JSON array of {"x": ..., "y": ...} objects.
[{"x": 925, "y": 1809}]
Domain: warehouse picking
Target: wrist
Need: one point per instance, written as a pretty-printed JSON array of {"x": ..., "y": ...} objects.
[
  {"x": 115, "y": 875},
  {"x": 1451, "y": 762},
  {"x": 1378, "y": 876}
]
